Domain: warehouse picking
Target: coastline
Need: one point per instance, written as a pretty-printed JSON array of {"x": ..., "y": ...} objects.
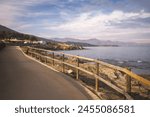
[
  {"x": 108, "y": 72},
  {"x": 119, "y": 56}
]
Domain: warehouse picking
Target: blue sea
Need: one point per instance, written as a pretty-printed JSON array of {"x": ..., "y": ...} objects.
[{"x": 137, "y": 58}]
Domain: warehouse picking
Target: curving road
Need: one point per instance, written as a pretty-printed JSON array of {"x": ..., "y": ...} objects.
[{"x": 22, "y": 78}]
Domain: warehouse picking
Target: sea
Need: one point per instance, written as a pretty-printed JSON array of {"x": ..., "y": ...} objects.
[{"x": 137, "y": 57}]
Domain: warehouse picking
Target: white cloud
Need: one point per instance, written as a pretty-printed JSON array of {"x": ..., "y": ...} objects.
[
  {"x": 87, "y": 21},
  {"x": 12, "y": 9},
  {"x": 100, "y": 25},
  {"x": 93, "y": 24},
  {"x": 8, "y": 14}
]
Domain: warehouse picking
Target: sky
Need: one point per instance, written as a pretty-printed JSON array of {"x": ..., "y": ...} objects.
[{"x": 115, "y": 20}]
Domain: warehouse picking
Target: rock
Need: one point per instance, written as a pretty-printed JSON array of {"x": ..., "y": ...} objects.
[{"x": 69, "y": 71}]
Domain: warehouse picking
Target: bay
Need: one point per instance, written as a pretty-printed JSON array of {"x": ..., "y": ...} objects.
[{"x": 137, "y": 58}]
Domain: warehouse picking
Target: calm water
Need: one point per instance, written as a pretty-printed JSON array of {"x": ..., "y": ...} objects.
[{"x": 138, "y": 58}]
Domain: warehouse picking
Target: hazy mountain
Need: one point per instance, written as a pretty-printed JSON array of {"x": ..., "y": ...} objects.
[
  {"x": 9, "y": 33},
  {"x": 66, "y": 39},
  {"x": 94, "y": 42},
  {"x": 79, "y": 43}
]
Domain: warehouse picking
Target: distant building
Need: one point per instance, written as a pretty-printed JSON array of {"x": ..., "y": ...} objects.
[
  {"x": 38, "y": 42},
  {"x": 16, "y": 40}
]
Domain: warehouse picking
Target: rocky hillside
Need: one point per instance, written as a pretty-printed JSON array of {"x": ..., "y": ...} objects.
[{"x": 7, "y": 33}]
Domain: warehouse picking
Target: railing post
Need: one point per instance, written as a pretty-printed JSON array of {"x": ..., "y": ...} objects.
[
  {"x": 36, "y": 55},
  {"x": 31, "y": 54},
  {"x": 96, "y": 79},
  {"x": 128, "y": 82},
  {"x": 63, "y": 66},
  {"x": 41, "y": 58},
  {"x": 46, "y": 57},
  {"x": 27, "y": 51},
  {"x": 77, "y": 70},
  {"x": 53, "y": 58}
]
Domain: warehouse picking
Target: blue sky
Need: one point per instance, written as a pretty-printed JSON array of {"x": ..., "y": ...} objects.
[{"x": 116, "y": 20}]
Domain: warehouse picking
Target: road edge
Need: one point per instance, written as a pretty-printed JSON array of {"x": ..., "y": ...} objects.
[{"x": 88, "y": 91}]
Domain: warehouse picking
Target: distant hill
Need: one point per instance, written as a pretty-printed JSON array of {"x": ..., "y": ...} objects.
[
  {"x": 73, "y": 41},
  {"x": 3, "y": 28},
  {"x": 9, "y": 33},
  {"x": 93, "y": 42},
  {"x": 6, "y": 32},
  {"x": 80, "y": 44}
]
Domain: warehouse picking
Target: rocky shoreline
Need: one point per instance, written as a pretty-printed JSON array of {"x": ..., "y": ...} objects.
[
  {"x": 116, "y": 77},
  {"x": 141, "y": 68},
  {"x": 58, "y": 46}
]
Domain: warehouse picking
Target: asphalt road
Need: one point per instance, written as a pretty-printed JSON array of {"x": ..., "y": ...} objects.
[{"x": 22, "y": 78}]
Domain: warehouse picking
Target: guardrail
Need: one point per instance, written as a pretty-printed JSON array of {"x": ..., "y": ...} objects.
[{"x": 61, "y": 57}]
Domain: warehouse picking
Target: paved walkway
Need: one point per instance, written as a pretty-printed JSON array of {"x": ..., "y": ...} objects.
[{"x": 23, "y": 78}]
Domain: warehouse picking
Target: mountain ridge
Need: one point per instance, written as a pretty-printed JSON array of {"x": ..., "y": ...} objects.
[
  {"x": 6, "y": 32},
  {"x": 87, "y": 42},
  {"x": 94, "y": 41}
]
